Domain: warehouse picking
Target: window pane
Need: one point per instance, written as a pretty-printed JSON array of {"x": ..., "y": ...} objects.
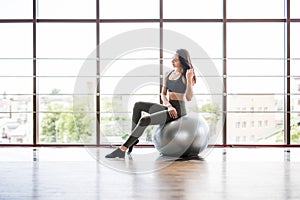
[
  {"x": 66, "y": 103},
  {"x": 255, "y": 40},
  {"x": 246, "y": 85},
  {"x": 132, "y": 9},
  {"x": 47, "y": 67},
  {"x": 66, "y": 118},
  {"x": 295, "y": 101},
  {"x": 66, "y": 9},
  {"x": 16, "y": 9},
  {"x": 295, "y": 68},
  {"x": 255, "y": 119},
  {"x": 295, "y": 87},
  {"x": 132, "y": 67},
  {"x": 251, "y": 67},
  {"x": 129, "y": 85},
  {"x": 72, "y": 128},
  {"x": 255, "y": 128},
  {"x": 255, "y": 103},
  {"x": 124, "y": 103},
  {"x": 16, "y": 104},
  {"x": 193, "y": 9},
  {"x": 66, "y": 85},
  {"x": 110, "y": 30},
  {"x": 255, "y": 9},
  {"x": 138, "y": 62},
  {"x": 18, "y": 132},
  {"x": 16, "y": 119},
  {"x": 65, "y": 40},
  {"x": 295, "y": 40},
  {"x": 208, "y": 36},
  {"x": 16, "y": 40},
  {"x": 295, "y": 7},
  {"x": 16, "y": 67},
  {"x": 295, "y": 129},
  {"x": 16, "y": 85},
  {"x": 55, "y": 103}
]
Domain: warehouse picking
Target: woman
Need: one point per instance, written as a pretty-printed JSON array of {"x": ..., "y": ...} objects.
[{"x": 177, "y": 87}]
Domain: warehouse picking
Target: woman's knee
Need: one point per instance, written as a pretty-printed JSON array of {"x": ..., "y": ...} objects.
[
  {"x": 138, "y": 105},
  {"x": 145, "y": 121}
]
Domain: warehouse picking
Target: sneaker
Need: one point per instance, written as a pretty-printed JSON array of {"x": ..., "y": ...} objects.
[
  {"x": 131, "y": 147},
  {"x": 118, "y": 153}
]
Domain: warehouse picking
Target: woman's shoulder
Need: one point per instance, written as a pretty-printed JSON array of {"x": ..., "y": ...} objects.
[{"x": 167, "y": 73}]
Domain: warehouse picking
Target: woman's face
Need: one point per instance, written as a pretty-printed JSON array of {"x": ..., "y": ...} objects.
[{"x": 175, "y": 61}]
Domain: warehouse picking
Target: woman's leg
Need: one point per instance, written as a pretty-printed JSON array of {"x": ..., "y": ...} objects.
[
  {"x": 139, "y": 124},
  {"x": 161, "y": 117},
  {"x": 137, "y": 130},
  {"x": 156, "y": 118},
  {"x": 138, "y": 108},
  {"x": 147, "y": 107}
]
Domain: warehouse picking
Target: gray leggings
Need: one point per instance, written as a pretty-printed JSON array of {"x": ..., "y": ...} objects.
[{"x": 158, "y": 115}]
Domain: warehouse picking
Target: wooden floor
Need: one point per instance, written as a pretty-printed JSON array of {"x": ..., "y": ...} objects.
[{"x": 84, "y": 173}]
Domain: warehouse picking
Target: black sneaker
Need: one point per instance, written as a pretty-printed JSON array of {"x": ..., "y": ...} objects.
[
  {"x": 131, "y": 147},
  {"x": 118, "y": 153}
]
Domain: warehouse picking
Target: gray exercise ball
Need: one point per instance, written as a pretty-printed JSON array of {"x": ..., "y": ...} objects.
[{"x": 186, "y": 136}]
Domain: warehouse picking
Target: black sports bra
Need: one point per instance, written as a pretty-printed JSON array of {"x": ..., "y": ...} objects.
[{"x": 175, "y": 85}]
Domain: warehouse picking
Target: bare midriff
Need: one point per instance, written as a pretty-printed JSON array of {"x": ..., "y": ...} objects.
[{"x": 176, "y": 96}]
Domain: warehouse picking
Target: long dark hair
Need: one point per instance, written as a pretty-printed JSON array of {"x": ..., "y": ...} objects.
[{"x": 185, "y": 61}]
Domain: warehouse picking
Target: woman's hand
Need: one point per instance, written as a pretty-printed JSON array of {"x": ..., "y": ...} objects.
[
  {"x": 172, "y": 112},
  {"x": 190, "y": 74},
  {"x": 190, "y": 83}
]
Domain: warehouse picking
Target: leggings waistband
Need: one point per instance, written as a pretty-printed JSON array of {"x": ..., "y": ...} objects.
[{"x": 179, "y": 106}]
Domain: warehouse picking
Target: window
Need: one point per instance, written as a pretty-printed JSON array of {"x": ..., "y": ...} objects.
[
  {"x": 17, "y": 9},
  {"x": 41, "y": 62},
  {"x": 66, "y": 9},
  {"x": 192, "y": 9},
  {"x": 119, "y": 9}
]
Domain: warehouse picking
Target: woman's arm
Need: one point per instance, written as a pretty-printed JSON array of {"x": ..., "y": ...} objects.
[
  {"x": 163, "y": 94},
  {"x": 189, "y": 84}
]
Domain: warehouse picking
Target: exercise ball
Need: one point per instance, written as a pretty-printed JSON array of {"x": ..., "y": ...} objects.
[{"x": 185, "y": 136}]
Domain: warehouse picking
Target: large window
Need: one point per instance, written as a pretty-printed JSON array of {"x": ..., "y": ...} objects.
[
  {"x": 58, "y": 87},
  {"x": 256, "y": 65},
  {"x": 295, "y": 82},
  {"x": 16, "y": 83}
]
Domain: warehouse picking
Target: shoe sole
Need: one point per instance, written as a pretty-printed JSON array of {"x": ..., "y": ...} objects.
[{"x": 115, "y": 158}]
